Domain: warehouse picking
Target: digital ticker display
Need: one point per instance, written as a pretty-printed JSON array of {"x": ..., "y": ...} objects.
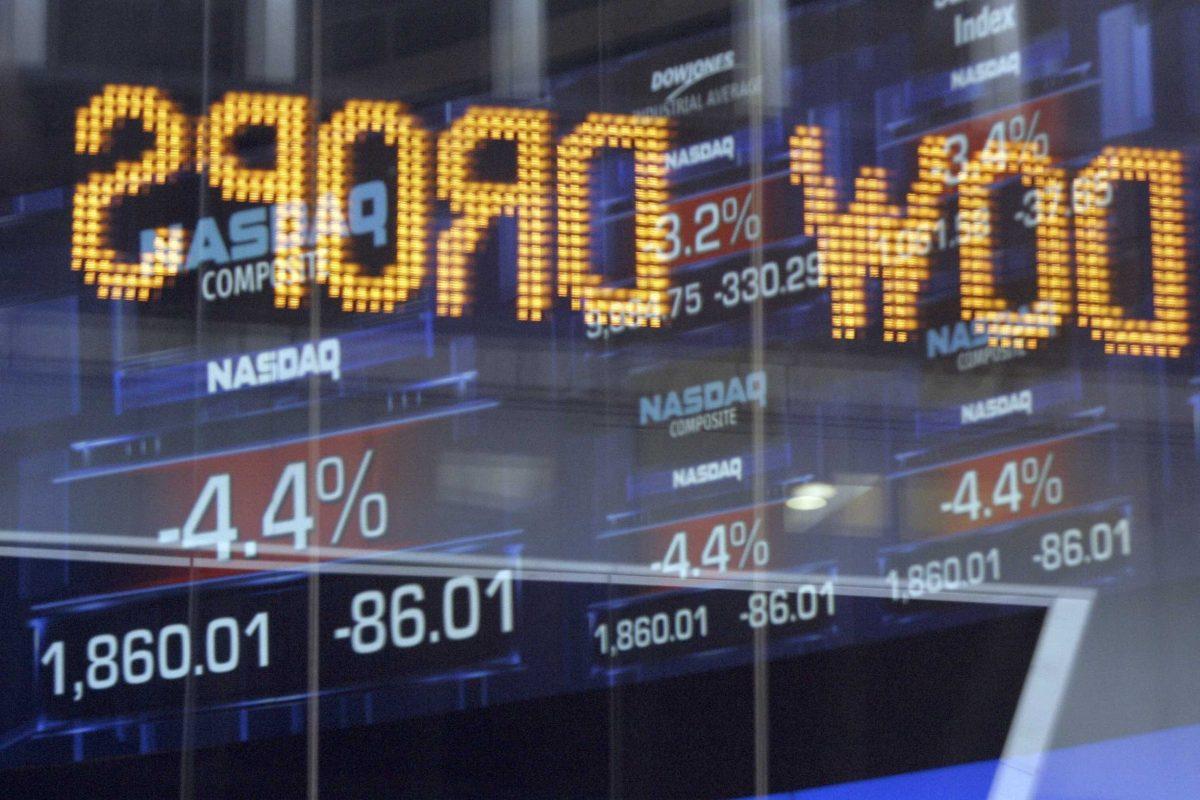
[{"x": 334, "y": 414}]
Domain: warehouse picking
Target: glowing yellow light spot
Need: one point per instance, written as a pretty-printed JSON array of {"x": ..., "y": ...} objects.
[
  {"x": 282, "y": 185},
  {"x": 91, "y": 251},
  {"x": 646, "y": 303},
  {"x": 477, "y": 204},
  {"x": 1168, "y": 332}
]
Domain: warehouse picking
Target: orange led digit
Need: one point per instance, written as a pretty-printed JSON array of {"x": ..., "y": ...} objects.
[
  {"x": 283, "y": 184},
  {"x": 872, "y": 238},
  {"x": 335, "y": 170},
  {"x": 1169, "y": 331},
  {"x": 1019, "y": 330},
  {"x": 648, "y": 138},
  {"x": 95, "y": 198},
  {"x": 477, "y": 204}
]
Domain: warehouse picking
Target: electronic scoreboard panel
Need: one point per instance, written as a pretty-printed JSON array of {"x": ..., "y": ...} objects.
[{"x": 764, "y": 407}]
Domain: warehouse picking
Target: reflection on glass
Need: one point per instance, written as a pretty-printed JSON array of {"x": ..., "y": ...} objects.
[{"x": 573, "y": 399}]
